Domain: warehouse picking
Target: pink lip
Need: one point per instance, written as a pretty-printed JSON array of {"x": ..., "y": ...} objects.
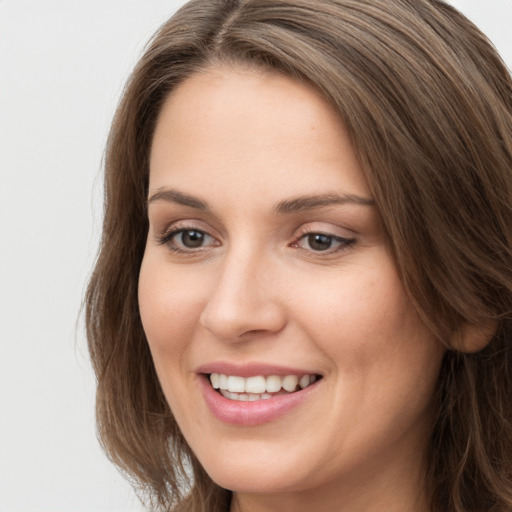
[
  {"x": 251, "y": 369},
  {"x": 252, "y": 413}
]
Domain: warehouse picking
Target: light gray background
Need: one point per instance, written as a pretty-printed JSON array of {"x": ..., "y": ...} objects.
[{"x": 62, "y": 68}]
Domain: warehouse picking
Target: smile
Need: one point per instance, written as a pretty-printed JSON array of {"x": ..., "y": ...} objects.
[
  {"x": 253, "y": 394},
  {"x": 259, "y": 387}
]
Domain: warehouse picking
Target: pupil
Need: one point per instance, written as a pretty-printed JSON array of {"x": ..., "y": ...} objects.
[
  {"x": 192, "y": 238},
  {"x": 319, "y": 242}
]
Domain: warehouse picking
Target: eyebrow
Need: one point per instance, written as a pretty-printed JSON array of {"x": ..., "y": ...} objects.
[
  {"x": 311, "y": 202},
  {"x": 294, "y": 205},
  {"x": 173, "y": 196}
]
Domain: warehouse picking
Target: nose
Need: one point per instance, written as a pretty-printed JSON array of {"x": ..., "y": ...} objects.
[{"x": 245, "y": 301}]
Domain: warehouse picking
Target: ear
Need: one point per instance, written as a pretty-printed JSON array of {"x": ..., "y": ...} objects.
[{"x": 474, "y": 337}]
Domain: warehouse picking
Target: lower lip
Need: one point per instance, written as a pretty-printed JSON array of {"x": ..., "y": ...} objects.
[{"x": 258, "y": 412}]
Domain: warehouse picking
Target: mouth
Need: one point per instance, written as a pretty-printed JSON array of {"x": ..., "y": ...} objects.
[
  {"x": 255, "y": 394},
  {"x": 259, "y": 387}
]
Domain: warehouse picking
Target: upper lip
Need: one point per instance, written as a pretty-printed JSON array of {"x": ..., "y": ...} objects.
[{"x": 252, "y": 369}]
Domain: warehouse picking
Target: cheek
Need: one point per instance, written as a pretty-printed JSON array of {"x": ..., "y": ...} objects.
[
  {"x": 384, "y": 362},
  {"x": 170, "y": 306},
  {"x": 363, "y": 320},
  {"x": 354, "y": 307}
]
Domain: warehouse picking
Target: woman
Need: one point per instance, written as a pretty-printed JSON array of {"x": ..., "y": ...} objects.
[{"x": 303, "y": 295}]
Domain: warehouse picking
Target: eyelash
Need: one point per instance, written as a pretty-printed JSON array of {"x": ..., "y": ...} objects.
[
  {"x": 343, "y": 243},
  {"x": 167, "y": 239}
]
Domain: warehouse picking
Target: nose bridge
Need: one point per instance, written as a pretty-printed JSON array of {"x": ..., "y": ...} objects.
[{"x": 242, "y": 302}]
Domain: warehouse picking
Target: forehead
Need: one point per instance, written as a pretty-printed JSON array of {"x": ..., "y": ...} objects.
[{"x": 258, "y": 129}]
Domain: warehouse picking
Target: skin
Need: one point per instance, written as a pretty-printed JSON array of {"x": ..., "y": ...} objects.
[{"x": 256, "y": 290}]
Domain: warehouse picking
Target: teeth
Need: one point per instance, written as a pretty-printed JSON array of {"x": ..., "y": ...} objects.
[
  {"x": 245, "y": 397},
  {"x": 236, "y": 384},
  {"x": 290, "y": 383},
  {"x": 223, "y": 381},
  {"x": 273, "y": 384},
  {"x": 214, "y": 379},
  {"x": 303, "y": 382},
  {"x": 258, "y": 387}
]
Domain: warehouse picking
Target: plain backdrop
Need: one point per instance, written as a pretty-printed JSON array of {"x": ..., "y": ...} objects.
[{"x": 62, "y": 68}]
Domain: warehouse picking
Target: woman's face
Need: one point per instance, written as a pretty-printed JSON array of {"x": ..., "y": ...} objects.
[{"x": 266, "y": 265}]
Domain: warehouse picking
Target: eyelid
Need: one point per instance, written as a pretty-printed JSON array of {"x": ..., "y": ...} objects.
[
  {"x": 344, "y": 240},
  {"x": 166, "y": 235},
  {"x": 324, "y": 228},
  {"x": 184, "y": 224}
]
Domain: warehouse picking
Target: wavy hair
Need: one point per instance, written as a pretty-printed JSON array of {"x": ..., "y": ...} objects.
[{"x": 428, "y": 105}]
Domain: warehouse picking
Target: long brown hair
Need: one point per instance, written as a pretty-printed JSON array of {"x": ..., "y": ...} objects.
[{"x": 428, "y": 104}]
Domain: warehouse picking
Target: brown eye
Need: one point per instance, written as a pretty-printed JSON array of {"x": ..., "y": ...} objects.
[
  {"x": 323, "y": 242},
  {"x": 191, "y": 238},
  {"x": 188, "y": 240},
  {"x": 320, "y": 242}
]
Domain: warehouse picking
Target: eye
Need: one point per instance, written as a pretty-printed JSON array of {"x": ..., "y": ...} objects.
[
  {"x": 187, "y": 240},
  {"x": 323, "y": 242}
]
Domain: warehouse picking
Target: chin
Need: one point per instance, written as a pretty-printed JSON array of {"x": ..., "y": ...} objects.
[
  {"x": 253, "y": 474},
  {"x": 251, "y": 481}
]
